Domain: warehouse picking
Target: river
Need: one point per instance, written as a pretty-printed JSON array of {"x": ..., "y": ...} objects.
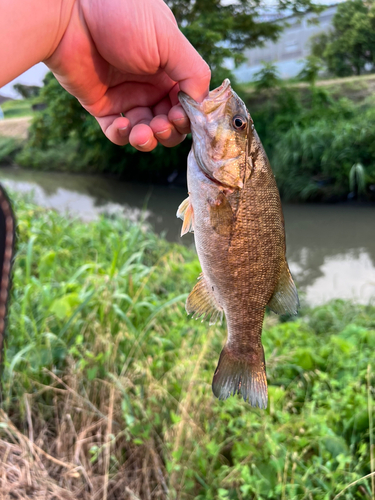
[{"x": 330, "y": 248}]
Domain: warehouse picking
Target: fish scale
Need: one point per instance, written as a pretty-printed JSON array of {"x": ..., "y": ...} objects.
[{"x": 234, "y": 209}]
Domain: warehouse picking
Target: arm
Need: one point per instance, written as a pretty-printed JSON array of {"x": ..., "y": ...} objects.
[{"x": 29, "y": 33}]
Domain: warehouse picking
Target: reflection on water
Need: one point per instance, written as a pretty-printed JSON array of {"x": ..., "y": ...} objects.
[{"x": 330, "y": 248}]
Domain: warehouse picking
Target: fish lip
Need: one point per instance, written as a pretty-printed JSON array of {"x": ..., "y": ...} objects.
[
  {"x": 189, "y": 104},
  {"x": 214, "y": 94}
]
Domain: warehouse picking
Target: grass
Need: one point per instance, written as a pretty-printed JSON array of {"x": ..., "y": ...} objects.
[
  {"x": 9, "y": 146},
  {"x": 356, "y": 88},
  {"x": 107, "y": 383},
  {"x": 17, "y": 108}
]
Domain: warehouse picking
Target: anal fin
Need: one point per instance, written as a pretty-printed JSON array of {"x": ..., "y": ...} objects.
[
  {"x": 186, "y": 213},
  {"x": 202, "y": 302},
  {"x": 285, "y": 297}
]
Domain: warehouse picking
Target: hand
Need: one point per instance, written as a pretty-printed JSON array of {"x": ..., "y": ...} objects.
[{"x": 129, "y": 57}]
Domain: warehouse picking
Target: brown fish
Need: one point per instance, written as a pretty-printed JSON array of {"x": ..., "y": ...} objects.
[{"x": 235, "y": 212}]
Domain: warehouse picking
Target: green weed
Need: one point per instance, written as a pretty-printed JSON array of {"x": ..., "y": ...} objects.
[{"x": 107, "y": 383}]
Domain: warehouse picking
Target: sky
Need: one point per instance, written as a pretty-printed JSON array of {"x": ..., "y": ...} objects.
[{"x": 33, "y": 76}]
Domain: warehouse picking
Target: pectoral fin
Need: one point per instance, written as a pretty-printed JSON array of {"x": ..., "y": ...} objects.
[
  {"x": 285, "y": 297},
  {"x": 202, "y": 302},
  {"x": 221, "y": 215},
  {"x": 186, "y": 213}
]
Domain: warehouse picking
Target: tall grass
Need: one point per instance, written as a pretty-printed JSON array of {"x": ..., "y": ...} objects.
[
  {"x": 315, "y": 162},
  {"x": 8, "y": 148},
  {"x": 108, "y": 384}
]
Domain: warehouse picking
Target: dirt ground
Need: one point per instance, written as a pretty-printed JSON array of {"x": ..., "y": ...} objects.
[{"x": 15, "y": 127}]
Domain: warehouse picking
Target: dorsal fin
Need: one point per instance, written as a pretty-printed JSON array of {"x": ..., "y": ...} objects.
[
  {"x": 285, "y": 297},
  {"x": 202, "y": 302},
  {"x": 186, "y": 213}
]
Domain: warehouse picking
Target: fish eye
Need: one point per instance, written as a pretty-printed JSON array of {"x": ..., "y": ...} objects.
[{"x": 239, "y": 122}]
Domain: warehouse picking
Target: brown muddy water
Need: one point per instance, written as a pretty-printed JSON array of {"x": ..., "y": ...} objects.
[{"x": 330, "y": 248}]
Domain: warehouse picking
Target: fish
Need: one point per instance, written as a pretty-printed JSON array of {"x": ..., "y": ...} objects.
[{"x": 234, "y": 210}]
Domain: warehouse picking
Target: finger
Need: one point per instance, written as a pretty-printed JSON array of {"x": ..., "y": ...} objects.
[
  {"x": 162, "y": 107},
  {"x": 182, "y": 63},
  {"x": 142, "y": 138},
  {"x": 127, "y": 96},
  {"x": 140, "y": 114},
  {"x": 179, "y": 118},
  {"x": 173, "y": 95},
  {"x": 141, "y": 135},
  {"x": 165, "y": 132},
  {"x": 116, "y": 128}
]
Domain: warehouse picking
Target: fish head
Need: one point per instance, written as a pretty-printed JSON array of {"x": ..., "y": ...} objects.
[{"x": 221, "y": 127}]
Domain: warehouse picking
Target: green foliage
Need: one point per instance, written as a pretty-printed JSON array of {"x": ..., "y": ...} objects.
[
  {"x": 8, "y": 148},
  {"x": 103, "y": 302},
  {"x": 267, "y": 78},
  {"x": 310, "y": 70},
  {"x": 314, "y": 162},
  {"x": 313, "y": 140},
  {"x": 351, "y": 44},
  {"x": 220, "y": 30},
  {"x": 357, "y": 178}
]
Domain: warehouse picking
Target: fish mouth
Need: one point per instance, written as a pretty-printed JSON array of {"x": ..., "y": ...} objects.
[
  {"x": 191, "y": 106},
  {"x": 214, "y": 94}
]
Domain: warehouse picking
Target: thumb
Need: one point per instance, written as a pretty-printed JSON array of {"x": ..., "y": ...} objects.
[{"x": 182, "y": 63}]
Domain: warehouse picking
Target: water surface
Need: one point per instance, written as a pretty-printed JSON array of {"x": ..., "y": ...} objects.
[{"x": 330, "y": 248}]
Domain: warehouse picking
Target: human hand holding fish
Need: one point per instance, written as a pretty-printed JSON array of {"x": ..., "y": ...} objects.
[
  {"x": 124, "y": 60},
  {"x": 234, "y": 210}
]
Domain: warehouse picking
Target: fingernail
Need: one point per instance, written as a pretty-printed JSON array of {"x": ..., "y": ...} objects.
[
  {"x": 123, "y": 130},
  {"x": 144, "y": 144},
  {"x": 163, "y": 131},
  {"x": 179, "y": 120}
]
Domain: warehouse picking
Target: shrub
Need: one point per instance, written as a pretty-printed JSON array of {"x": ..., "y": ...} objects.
[
  {"x": 8, "y": 149},
  {"x": 314, "y": 162}
]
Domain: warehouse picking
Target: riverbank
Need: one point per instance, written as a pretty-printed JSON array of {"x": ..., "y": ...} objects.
[
  {"x": 107, "y": 382},
  {"x": 16, "y": 128},
  {"x": 319, "y": 140}
]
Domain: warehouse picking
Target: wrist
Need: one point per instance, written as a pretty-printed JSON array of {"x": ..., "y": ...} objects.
[{"x": 30, "y": 31}]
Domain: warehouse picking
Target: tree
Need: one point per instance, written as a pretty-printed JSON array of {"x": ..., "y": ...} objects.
[
  {"x": 27, "y": 91},
  {"x": 350, "y": 46},
  {"x": 267, "y": 78},
  {"x": 310, "y": 70},
  {"x": 220, "y": 30}
]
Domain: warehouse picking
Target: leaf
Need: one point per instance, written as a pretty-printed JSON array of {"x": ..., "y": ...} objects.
[
  {"x": 91, "y": 372},
  {"x": 63, "y": 307}
]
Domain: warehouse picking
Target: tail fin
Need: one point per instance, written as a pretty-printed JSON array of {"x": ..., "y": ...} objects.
[{"x": 239, "y": 375}]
